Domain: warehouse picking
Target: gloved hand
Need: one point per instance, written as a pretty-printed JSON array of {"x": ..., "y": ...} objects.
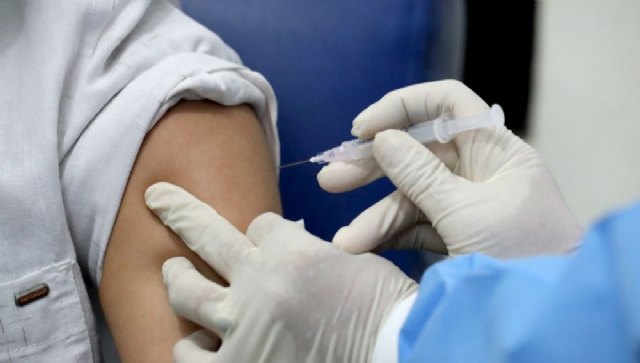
[
  {"x": 292, "y": 297},
  {"x": 484, "y": 191}
]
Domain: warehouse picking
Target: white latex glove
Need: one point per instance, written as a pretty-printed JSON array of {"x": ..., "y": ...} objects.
[
  {"x": 485, "y": 191},
  {"x": 292, "y": 297}
]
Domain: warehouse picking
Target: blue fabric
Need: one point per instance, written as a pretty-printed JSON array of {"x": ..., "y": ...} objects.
[
  {"x": 579, "y": 308},
  {"x": 328, "y": 60}
]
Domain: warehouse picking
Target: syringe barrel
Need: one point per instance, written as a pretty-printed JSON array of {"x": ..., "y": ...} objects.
[
  {"x": 347, "y": 151},
  {"x": 356, "y": 149},
  {"x": 441, "y": 129},
  {"x": 424, "y": 132},
  {"x": 494, "y": 117}
]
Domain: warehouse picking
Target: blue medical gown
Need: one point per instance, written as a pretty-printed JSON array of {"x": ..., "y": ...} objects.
[{"x": 583, "y": 307}]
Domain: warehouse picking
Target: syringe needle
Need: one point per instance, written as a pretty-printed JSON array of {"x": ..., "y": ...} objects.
[{"x": 293, "y": 164}]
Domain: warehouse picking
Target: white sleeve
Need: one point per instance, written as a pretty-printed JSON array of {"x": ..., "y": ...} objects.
[
  {"x": 386, "y": 347},
  {"x": 142, "y": 58}
]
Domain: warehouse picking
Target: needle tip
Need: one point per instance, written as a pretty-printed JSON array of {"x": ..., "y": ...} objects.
[{"x": 293, "y": 164}]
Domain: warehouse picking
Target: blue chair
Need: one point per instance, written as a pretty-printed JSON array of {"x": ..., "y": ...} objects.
[{"x": 327, "y": 60}]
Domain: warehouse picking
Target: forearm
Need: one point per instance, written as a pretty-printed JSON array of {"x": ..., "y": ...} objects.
[{"x": 220, "y": 155}]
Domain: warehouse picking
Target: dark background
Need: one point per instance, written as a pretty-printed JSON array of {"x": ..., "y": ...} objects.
[{"x": 498, "y": 57}]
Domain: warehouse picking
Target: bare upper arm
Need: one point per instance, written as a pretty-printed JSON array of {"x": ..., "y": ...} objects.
[{"x": 221, "y": 156}]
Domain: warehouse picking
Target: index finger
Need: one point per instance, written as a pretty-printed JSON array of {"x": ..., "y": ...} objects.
[
  {"x": 417, "y": 103},
  {"x": 207, "y": 233},
  {"x": 338, "y": 177}
]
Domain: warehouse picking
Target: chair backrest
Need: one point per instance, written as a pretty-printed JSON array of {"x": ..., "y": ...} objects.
[{"x": 327, "y": 60}]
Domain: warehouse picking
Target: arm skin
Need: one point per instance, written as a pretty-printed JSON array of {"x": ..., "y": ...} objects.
[{"x": 220, "y": 155}]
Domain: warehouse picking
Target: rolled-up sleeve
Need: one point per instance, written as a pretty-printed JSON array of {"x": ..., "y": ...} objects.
[{"x": 139, "y": 60}]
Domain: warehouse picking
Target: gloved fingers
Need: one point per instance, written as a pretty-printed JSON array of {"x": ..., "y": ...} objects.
[
  {"x": 194, "y": 297},
  {"x": 417, "y": 103},
  {"x": 396, "y": 110},
  {"x": 262, "y": 225},
  {"x": 275, "y": 228},
  {"x": 211, "y": 236},
  {"x": 416, "y": 171},
  {"x": 378, "y": 223},
  {"x": 338, "y": 177},
  {"x": 419, "y": 237},
  {"x": 196, "y": 348}
]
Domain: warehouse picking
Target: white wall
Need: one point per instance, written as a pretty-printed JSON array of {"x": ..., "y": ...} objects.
[{"x": 585, "y": 114}]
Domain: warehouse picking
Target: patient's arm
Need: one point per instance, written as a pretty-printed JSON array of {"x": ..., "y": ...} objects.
[{"x": 221, "y": 156}]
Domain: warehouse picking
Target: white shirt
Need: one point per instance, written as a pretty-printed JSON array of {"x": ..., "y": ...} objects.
[
  {"x": 82, "y": 82},
  {"x": 386, "y": 348}
]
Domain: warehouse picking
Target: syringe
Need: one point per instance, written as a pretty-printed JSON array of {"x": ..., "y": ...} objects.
[{"x": 442, "y": 129}]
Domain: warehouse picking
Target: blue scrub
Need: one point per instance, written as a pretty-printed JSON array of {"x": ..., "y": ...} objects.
[{"x": 579, "y": 308}]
